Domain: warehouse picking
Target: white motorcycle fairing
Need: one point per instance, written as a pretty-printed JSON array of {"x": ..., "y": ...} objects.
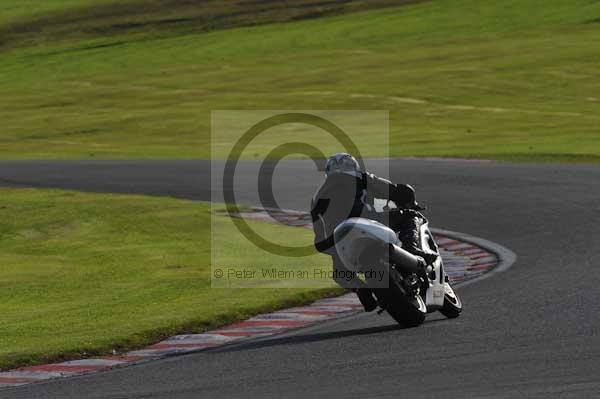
[
  {"x": 434, "y": 297},
  {"x": 355, "y": 235}
]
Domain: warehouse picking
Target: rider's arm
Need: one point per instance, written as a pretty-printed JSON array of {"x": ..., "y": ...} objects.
[
  {"x": 322, "y": 242},
  {"x": 402, "y": 194},
  {"x": 378, "y": 187}
]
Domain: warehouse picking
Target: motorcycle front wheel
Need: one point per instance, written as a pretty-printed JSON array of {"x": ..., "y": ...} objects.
[{"x": 452, "y": 304}]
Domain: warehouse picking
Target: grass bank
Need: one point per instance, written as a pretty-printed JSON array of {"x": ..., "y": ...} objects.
[
  {"x": 513, "y": 80},
  {"x": 86, "y": 274}
]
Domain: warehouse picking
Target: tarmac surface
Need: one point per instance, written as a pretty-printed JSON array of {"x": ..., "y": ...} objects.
[{"x": 532, "y": 331}]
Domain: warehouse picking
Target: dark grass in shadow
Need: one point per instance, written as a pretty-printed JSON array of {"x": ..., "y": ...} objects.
[{"x": 163, "y": 18}]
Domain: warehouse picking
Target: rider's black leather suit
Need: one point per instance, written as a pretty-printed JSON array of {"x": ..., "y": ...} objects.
[{"x": 342, "y": 196}]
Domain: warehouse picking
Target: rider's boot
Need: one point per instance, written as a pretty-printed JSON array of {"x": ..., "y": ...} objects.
[{"x": 428, "y": 258}]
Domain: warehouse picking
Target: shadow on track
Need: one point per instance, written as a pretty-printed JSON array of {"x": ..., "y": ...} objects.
[{"x": 300, "y": 339}]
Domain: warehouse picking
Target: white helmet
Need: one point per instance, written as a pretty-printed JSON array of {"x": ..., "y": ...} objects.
[{"x": 342, "y": 163}]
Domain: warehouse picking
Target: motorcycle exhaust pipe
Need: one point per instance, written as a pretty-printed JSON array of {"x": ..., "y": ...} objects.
[{"x": 404, "y": 260}]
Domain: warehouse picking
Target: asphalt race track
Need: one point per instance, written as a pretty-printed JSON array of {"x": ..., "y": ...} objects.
[{"x": 533, "y": 331}]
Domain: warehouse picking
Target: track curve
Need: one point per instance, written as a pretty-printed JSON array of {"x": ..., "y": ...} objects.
[{"x": 533, "y": 332}]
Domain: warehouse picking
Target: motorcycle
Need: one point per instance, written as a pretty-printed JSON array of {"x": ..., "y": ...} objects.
[{"x": 403, "y": 288}]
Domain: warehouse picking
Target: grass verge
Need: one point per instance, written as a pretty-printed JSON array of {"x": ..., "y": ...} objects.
[{"x": 86, "y": 274}]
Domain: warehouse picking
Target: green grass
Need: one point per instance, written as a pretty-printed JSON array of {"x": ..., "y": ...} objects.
[
  {"x": 513, "y": 80},
  {"x": 83, "y": 274}
]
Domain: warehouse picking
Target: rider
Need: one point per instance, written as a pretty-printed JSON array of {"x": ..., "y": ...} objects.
[{"x": 348, "y": 192}]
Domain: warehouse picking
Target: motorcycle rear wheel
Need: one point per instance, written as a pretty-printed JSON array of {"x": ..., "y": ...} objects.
[{"x": 406, "y": 310}]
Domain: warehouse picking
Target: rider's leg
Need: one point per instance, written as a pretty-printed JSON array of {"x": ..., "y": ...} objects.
[{"x": 410, "y": 235}]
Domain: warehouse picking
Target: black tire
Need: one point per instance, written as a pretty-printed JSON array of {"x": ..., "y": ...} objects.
[
  {"x": 407, "y": 312},
  {"x": 452, "y": 304}
]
